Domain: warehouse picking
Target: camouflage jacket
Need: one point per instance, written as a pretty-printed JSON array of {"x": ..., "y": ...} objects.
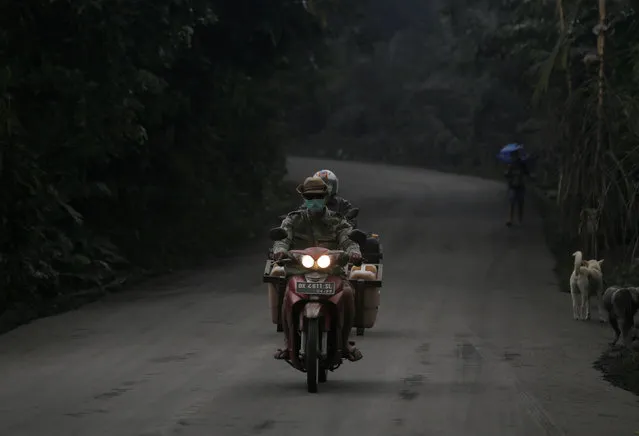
[{"x": 329, "y": 231}]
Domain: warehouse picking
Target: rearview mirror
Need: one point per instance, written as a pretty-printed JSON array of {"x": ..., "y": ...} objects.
[
  {"x": 358, "y": 236},
  {"x": 277, "y": 234},
  {"x": 351, "y": 213}
]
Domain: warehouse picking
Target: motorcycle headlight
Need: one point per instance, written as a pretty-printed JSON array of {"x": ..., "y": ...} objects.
[
  {"x": 324, "y": 261},
  {"x": 308, "y": 261}
]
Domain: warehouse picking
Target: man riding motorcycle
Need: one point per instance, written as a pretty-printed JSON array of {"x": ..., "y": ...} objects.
[
  {"x": 316, "y": 226},
  {"x": 334, "y": 202}
]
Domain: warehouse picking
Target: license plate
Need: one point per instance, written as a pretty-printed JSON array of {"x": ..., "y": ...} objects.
[{"x": 308, "y": 288}]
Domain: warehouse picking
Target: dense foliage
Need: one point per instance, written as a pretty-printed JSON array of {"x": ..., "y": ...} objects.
[
  {"x": 138, "y": 133},
  {"x": 581, "y": 64},
  {"x": 445, "y": 85}
]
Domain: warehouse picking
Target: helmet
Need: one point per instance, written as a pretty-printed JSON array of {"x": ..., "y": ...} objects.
[{"x": 330, "y": 179}]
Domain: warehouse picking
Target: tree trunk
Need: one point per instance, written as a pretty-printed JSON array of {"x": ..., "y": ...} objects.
[
  {"x": 565, "y": 124},
  {"x": 563, "y": 34},
  {"x": 601, "y": 40},
  {"x": 597, "y": 171}
]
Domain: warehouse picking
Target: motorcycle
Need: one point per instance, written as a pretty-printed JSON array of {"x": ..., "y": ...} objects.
[
  {"x": 314, "y": 305},
  {"x": 276, "y": 290},
  {"x": 367, "y": 298}
]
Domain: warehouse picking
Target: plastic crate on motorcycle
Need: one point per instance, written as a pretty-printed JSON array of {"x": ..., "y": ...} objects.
[
  {"x": 366, "y": 281},
  {"x": 275, "y": 277}
]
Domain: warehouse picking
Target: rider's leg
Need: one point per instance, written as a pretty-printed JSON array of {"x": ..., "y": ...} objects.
[
  {"x": 520, "y": 204},
  {"x": 350, "y": 352},
  {"x": 511, "y": 203}
]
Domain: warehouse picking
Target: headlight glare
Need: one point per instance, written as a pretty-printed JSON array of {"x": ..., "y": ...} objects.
[
  {"x": 324, "y": 261},
  {"x": 308, "y": 261}
]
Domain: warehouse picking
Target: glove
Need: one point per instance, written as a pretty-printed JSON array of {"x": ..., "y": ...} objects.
[
  {"x": 279, "y": 256},
  {"x": 355, "y": 258}
]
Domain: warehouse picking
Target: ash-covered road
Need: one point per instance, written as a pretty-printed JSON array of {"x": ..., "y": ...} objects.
[{"x": 472, "y": 339}]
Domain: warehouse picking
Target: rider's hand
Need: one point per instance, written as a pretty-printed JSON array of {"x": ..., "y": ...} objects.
[
  {"x": 279, "y": 255},
  {"x": 355, "y": 258}
]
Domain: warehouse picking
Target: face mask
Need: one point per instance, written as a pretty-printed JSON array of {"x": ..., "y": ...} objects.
[{"x": 315, "y": 205}]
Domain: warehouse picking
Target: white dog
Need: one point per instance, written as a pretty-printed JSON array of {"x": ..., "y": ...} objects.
[{"x": 586, "y": 279}]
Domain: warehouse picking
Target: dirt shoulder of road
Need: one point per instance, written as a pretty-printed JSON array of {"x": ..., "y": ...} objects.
[
  {"x": 24, "y": 314},
  {"x": 619, "y": 367}
]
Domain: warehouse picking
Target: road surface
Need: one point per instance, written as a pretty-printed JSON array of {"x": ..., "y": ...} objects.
[{"x": 472, "y": 339}]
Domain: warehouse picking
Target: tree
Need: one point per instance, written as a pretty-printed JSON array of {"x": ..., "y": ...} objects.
[{"x": 144, "y": 135}]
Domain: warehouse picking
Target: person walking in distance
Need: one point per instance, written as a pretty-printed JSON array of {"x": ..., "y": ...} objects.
[{"x": 515, "y": 176}]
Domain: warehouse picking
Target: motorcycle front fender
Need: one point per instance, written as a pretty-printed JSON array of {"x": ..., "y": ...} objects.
[{"x": 312, "y": 310}]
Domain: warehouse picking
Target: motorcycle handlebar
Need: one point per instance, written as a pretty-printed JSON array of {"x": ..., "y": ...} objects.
[{"x": 283, "y": 261}]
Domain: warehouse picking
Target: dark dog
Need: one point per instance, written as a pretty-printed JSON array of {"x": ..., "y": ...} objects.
[{"x": 622, "y": 304}]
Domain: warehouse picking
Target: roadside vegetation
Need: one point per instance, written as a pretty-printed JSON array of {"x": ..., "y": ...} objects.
[
  {"x": 138, "y": 138},
  {"x": 444, "y": 85}
]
